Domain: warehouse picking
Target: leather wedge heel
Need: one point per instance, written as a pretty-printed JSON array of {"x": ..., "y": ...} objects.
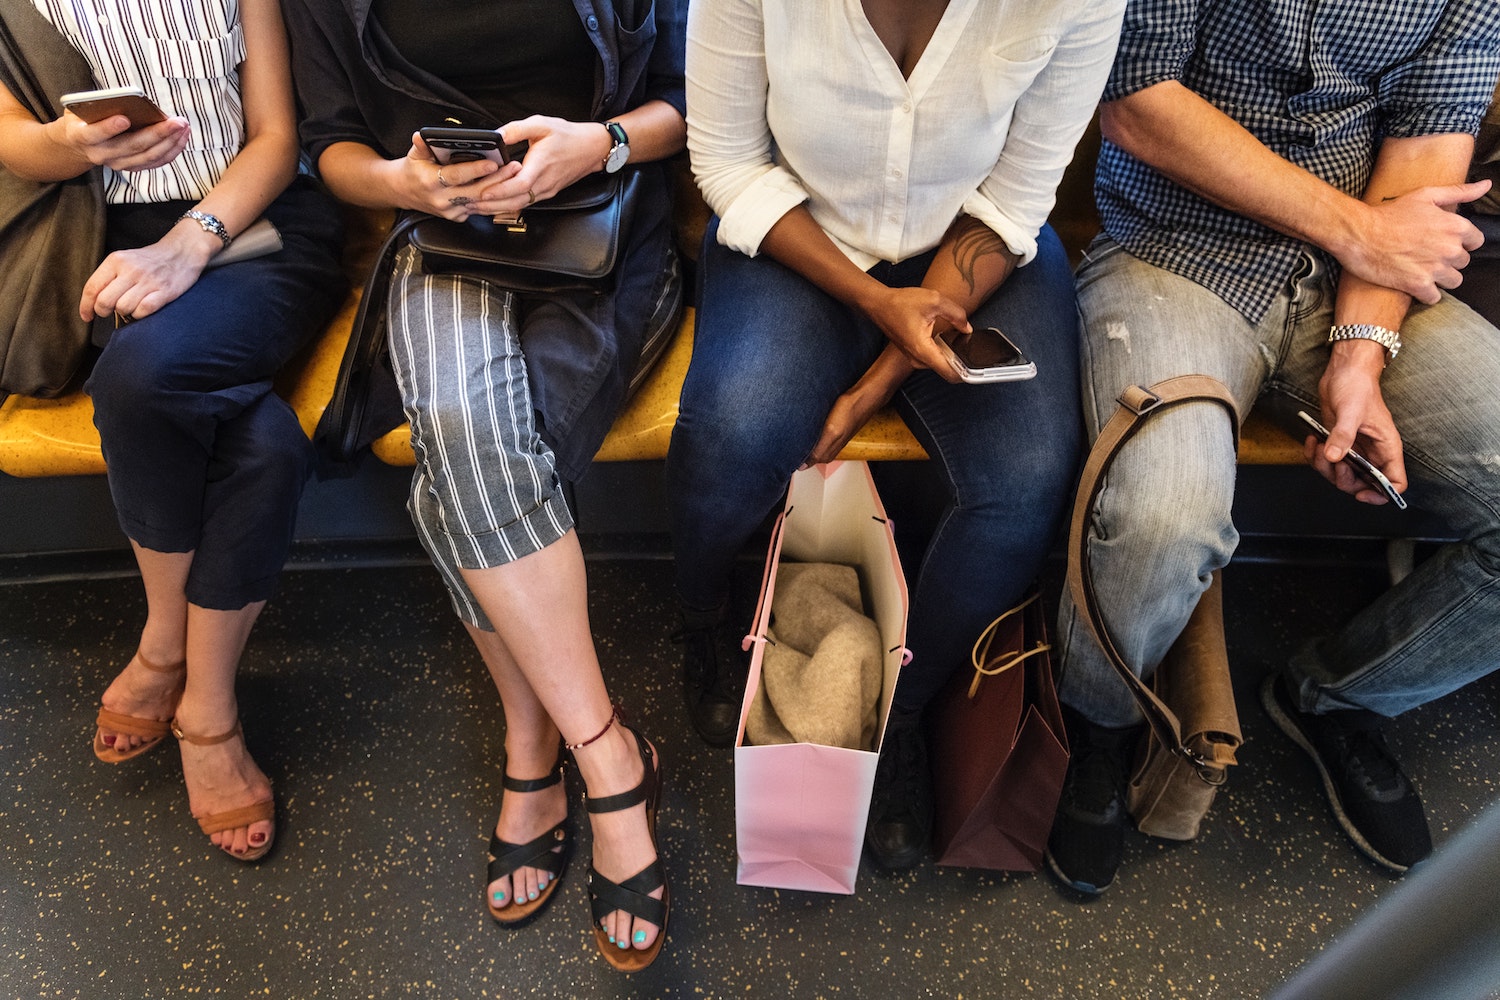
[
  {"x": 233, "y": 819},
  {"x": 548, "y": 852},
  {"x": 633, "y": 896},
  {"x": 153, "y": 731}
]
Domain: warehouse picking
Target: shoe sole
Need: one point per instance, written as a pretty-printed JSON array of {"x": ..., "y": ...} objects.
[
  {"x": 1289, "y": 726},
  {"x": 1086, "y": 888}
]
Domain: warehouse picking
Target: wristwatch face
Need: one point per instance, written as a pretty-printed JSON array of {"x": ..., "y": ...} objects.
[{"x": 620, "y": 151}]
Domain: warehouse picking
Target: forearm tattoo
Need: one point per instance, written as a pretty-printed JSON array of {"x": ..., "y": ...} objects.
[{"x": 973, "y": 243}]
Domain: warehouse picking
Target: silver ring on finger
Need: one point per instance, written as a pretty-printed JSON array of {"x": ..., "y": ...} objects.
[{"x": 441, "y": 182}]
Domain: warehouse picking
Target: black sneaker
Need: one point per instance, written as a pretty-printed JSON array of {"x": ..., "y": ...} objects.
[
  {"x": 900, "y": 824},
  {"x": 1372, "y": 799},
  {"x": 1088, "y": 835},
  {"x": 713, "y": 678}
]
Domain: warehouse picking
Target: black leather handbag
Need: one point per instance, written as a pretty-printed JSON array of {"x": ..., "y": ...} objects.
[{"x": 570, "y": 242}]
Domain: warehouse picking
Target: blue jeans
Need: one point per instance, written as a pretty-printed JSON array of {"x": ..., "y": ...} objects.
[
  {"x": 202, "y": 456},
  {"x": 771, "y": 354},
  {"x": 1162, "y": 523}
]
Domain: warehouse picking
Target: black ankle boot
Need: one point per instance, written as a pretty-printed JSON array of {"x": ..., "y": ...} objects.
[
  {"x": 900, "y": 824},
  {"x": 713, "y": 677}
]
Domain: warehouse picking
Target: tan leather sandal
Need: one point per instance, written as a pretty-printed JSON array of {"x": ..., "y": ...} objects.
[
  {"x": 233, "y": 819},
  {"x": 153, "y": 731}
]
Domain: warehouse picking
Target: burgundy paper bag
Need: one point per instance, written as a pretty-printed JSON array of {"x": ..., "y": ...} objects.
[{"x": 999, "y": 752}]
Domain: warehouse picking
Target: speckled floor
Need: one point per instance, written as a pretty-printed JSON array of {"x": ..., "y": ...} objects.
[{"x": 368, "y": 708}]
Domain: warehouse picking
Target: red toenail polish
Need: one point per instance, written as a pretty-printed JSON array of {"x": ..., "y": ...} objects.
[
  {"x": 257, "y": 839},
  {"x": 109, "y": 741}
]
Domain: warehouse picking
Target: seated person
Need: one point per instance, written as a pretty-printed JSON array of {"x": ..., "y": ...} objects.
[
  {"x": 1277, "y": 215},
  {"x": 509, "y": 394},
  {"x": 881, "y": 174},
  {"x": 205, "y": 463}
]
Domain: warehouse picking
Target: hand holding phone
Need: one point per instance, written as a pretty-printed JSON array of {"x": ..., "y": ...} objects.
[
  {"x": 460, "y": 145},
  {"x": 1362, "y": 466},
  {"x": 988, "y": 355},
  {"x": 96, "y": 105}
]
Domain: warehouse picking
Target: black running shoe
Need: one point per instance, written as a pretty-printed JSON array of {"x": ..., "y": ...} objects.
[
  {"x": 900, "y": 825},
  {"x": 713, "y": 680},
  {"x": 1372, "y": 799},
  {"x": 1088, "y": 835}
]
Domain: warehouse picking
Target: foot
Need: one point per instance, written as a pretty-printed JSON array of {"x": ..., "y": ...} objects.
[
  {"x": 900, "y": 825},
  {"x": 222, "y": 778},
  {"x": 1088, "y": 834},
  {"x": 531, "y": 809},
  {"x": 624, "y": 838},
  {"x": 1372, "y": 799},
  {"x": 146, "y": 691},
  {"x": 713, "y": 677}
]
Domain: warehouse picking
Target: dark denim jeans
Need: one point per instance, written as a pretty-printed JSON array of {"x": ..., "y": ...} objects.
[
  {"x": 771, "y": 354},
  {"x": 202, "y": 456}
]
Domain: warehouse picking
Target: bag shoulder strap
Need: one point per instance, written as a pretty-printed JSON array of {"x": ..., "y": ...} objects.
[
  {"x": 1136, "y": 404},
  {"x": 339, "y": 428}
]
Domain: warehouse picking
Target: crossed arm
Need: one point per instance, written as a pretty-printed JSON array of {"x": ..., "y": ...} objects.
[{"x": 1401, "y": 241}]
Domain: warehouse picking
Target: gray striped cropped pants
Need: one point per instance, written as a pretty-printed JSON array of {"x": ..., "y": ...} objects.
[{"x": 486, "y": 490}]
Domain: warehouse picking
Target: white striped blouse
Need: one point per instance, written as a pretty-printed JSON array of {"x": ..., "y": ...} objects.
[{"x": 185, "y": 54}]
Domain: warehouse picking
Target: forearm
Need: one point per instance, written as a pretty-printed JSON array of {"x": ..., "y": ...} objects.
[
  {"x": 656, "y": 131},
  {"x": 972, "y": 263},
  {"x": 797, "y": 241},
  {"x": 1188, "y": 140},
  {"x": 357, "y": 174},
  {"x": 31, "y": 149}
]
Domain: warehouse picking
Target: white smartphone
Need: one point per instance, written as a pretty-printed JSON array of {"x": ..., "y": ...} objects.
[
  {"x": 988, "y": 355},
  {"x": 456, "y": 145},
  {"x": 1358, "y": 463},
  {"x": 97, "y": 105}
]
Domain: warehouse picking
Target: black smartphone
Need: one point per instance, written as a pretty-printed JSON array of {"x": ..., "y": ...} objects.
[
  {"x": 97, "y": 105},
  {"x": 1358, "y": 463},
  {"x": 457, "y": 145},
  {"x": 988, "y": 355}
]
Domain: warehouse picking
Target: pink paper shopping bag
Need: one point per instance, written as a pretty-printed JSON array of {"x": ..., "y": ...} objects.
[{"x": 800, "y": 808}]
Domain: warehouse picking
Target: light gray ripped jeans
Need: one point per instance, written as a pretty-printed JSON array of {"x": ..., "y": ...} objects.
[
  {"x": 485, "y": 491},
  {"x": 1162, "y": 523}
]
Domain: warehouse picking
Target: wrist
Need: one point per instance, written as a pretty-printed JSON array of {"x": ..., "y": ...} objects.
[
  {"x": 192, "y": 242},
  {"x": 1386, "y": 338}
]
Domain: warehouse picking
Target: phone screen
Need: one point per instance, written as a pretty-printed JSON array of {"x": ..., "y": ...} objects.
[
  {"x": 1362, "y": 466},
  {"x": 986, "y": 348}
]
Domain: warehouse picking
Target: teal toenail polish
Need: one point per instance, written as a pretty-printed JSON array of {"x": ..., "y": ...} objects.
[
  {"x": 530, "y": 896},
  {"x": 499, "y": 897},
  {"x": 640, "y": 937},
  {"x": 622, "y": 944},
  {"x": 611, "y": 939}
]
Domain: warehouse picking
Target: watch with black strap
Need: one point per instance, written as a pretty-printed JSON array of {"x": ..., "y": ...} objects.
[{"x": 619, "y": 153}]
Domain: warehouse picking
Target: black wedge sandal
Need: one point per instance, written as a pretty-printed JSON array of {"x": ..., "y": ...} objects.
[
  {"x": 548, "y": 852},
  {"x": 632, "y": 896}
]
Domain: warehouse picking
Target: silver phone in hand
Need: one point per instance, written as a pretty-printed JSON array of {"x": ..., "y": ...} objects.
[
  {"x": 988, "y": 355},
  {"x": 1361, "y": 465}
]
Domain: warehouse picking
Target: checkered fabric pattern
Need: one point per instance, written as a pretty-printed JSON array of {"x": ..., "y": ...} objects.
[{"x": 1320, "y": 82}]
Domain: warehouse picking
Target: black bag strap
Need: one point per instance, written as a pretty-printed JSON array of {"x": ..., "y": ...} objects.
[
  {"x": 340, "y": 428},
  {"x": 1136, "y": 404}
]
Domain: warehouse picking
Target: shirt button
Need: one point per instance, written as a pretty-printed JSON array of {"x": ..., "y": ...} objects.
[
  {"x": 593, "y": 23},
  {"x": 906, "y": 108},
  {"x": 896, "y": 173},
  {"x": 893, "y": 217},
  {"x": 103, "y": 20}
]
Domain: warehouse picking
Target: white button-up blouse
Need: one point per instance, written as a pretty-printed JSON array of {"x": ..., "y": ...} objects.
[
  {"x": 793, "y": 101},
  {"x": 186, "y": 57}
]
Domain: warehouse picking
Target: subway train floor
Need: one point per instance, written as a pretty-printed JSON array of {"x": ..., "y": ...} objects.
[{"x": 367, "y": 706}]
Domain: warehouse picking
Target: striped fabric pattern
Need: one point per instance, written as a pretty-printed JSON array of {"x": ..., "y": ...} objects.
[{"x": 185, "y": 54}]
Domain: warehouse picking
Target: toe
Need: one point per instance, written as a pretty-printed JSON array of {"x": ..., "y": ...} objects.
[{"x": 498, "y": 893}]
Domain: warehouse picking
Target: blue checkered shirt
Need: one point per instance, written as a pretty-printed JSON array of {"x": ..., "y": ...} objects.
[{"x": 1320, "y": 82}]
